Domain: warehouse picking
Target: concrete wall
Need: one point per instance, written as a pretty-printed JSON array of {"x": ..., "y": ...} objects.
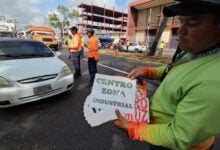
[
  {"x": 166, "y": 35},
  {"x": 132, "y": 23},
  {"x": 155, "y": 16},
  {"x": 142, "y": 18},
  {"x": 140, "y": 37}
]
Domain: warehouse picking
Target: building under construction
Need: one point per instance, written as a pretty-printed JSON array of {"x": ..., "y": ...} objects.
[
  {"x": 103, "y": 20},
  {"x": 144, "y": 19},
  {"x": 7, "y": 27}
]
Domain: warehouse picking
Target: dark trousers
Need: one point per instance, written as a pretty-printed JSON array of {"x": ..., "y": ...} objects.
[
  {"x": 92, "y": 66},
  {"x": 82, "y": 53},
  {"x": 160, "y": 52},
  {"x": 75, "y": 57}
]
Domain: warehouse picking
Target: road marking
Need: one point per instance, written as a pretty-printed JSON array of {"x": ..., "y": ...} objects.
[
  {"x": 124, "y": 72},
  {"x": 113, "y": 68}
]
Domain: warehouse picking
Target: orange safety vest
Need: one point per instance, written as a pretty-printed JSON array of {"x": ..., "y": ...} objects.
[
  {"x": 76, "y": 45},
  {"x": 93, "y": 49}
]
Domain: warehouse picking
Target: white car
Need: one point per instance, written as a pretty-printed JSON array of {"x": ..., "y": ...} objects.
[
  {"x": 30, "y": 71},
  {"x": 134, "y": 47}
]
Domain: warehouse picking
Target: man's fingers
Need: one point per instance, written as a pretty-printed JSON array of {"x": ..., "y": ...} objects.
[
  {"x": 116, "y": 123},
  {"x": 134, "y": 75},
  {"x": 118, "y": 114},
  {"x": 130, "y": 74},
  {"x": 121, "y": 122}
]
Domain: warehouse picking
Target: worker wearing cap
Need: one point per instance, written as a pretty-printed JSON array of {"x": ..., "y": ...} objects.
[
  {"x": 93, "y": 55},
  {"x": 184, "y": 110},
  {"x": 162, "y": 45},
  {"x": 75, "y": 51}
]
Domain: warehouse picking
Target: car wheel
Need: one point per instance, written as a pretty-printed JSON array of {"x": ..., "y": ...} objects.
[{"x": 136, "y": 50}]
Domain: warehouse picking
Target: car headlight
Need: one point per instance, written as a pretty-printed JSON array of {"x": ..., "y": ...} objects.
[
  {"x": 4, "y": 83},
  {"x": 65, "y": 71}
]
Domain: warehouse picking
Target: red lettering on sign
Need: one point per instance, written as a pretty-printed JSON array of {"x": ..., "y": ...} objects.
[{"x": 141, "y": 105}]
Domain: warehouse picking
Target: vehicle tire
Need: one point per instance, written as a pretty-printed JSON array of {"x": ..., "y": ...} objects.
[{"x": 136, "y": 50}]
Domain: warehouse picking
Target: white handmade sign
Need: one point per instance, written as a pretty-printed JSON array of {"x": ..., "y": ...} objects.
[
  {"x": 97, "y": 116},
  {"x": 112, "y": 92}
]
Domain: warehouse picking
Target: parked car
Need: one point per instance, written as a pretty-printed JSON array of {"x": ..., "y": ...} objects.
[
  {"x": 30, "y": 71},
  {"x": 134, "y": 47}
]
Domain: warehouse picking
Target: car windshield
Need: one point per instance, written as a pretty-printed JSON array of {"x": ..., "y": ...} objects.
[
  {"x": 23, "y": 49},
  {"x": 5, "y": 34},
  {"x": 44, "y": 33}
]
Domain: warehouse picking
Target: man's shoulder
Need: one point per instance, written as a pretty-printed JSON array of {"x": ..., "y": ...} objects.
[
  {"x": 77, "y": 35},
  {"x": 94, "y": 38}
]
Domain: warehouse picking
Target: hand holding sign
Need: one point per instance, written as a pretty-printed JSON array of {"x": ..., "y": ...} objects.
[{"x": 121, "y": 122}]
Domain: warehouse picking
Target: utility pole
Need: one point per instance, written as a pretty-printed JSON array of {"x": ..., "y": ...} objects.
[
  {"x": 148, "y": 27},
  {"x": 16, "y": 25}
]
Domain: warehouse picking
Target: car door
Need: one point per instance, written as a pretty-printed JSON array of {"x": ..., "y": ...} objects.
[{"x": 131, "y": 47}]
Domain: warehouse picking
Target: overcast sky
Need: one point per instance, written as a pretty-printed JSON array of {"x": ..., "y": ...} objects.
[{"x": 34, "y": 12}]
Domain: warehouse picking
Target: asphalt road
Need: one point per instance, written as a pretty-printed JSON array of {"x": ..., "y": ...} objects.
[{"x": 58, "y": 123}]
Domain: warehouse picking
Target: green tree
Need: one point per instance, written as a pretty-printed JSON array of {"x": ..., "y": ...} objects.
[{"x": 62, "y": 19}]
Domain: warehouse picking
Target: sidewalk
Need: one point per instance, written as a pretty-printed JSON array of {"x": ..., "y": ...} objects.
[{"x": 164, "y": 59}]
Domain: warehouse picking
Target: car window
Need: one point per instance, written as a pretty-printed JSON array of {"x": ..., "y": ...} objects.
[
  {"x": 23, "y": 49},
  {"x": 134, "y": 44},
  {"x": 5, "y": 34},
  {"x": 44, "y": 34}
]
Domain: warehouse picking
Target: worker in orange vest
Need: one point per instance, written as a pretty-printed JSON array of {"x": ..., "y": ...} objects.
[
  {"x": 75, "y": 51},
  {"x": 93, "y": 55}
]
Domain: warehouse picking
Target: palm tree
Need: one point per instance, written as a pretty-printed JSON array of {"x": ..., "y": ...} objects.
[{"x": 61, "y": 19}]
